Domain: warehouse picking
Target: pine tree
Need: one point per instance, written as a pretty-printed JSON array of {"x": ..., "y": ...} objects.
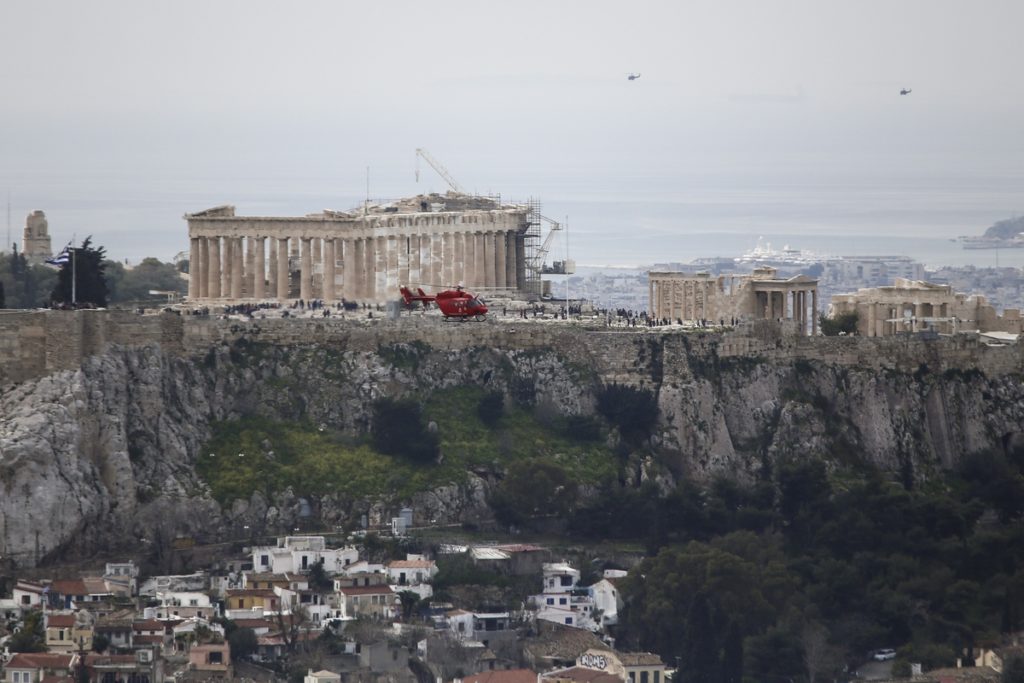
[
  {"x": 700, "y": 651},
  {"x": 90, "y": 279},
  {"x": 732, "y": 655}
]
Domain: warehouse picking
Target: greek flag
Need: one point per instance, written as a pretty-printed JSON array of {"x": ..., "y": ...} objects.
[{"x": 61, "y": 258}]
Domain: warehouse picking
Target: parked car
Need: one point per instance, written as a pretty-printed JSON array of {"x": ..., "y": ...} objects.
[{"x": 883, "y": 655}]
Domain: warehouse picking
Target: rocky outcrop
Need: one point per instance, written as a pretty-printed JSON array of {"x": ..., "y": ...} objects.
[{"x": 103, "y": 456}]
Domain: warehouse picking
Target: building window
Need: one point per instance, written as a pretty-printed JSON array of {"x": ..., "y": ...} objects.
[
  {"x": 566, "y": 580},
  {"x": 216, "y": 658},
  {"x": 561, "y": 601},
  {"x": 551, "y": 601},
  {"x": 264, "y": 560},
  {"x": 657, "y": 677},
  {"x": 568, "y": 621},
  {"x": 644, "y": 677}
]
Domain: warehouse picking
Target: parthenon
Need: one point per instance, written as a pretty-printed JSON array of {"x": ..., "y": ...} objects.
[
  {"x": 359, "y": 256},
  {"x": 760, "y": 295}
]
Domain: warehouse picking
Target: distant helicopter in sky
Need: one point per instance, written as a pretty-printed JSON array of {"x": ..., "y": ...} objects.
[
  {"x": 906, "y": 91},
  {"x": 633, "y": 76}
]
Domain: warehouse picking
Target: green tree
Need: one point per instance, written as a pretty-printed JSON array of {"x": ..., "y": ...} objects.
[
  {"x": 87, "y": 267},
  {"x": 399, "y": 429},
  {"x": 3, "y": 299},
  {"x": 319, "y": 579},
  {"x": 134, "y": 284},
  {"x": 634, "y": 411},
  {"x": 490, "y": 408},
  {"x": 24, "y": 284},
  {"x": 844, "y": 323},
  {"x": 243, "y": 642},
  {"x": 732, "y": 655},
  {"x": 31, "y": 637},
  {"x": 1013, "y": 669},
  {"x": 700, "y": 649},
  {"x": 531, "y": 488},
  {"x": 100, "y": 643}
]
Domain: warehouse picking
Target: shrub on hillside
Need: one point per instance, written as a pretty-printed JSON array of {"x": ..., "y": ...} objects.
[
  {"x": 491, "y": 407},
  {"x": 634, "y": 411},
  {"x": 399, "y": 430},
  {"x": 844, "y": 323}
]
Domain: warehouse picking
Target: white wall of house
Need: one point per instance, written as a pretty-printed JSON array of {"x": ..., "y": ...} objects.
[{"x": 559, "y": 577}]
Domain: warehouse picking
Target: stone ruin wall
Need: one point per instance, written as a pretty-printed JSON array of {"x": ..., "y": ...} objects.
[{"x": 37, "y": 343}]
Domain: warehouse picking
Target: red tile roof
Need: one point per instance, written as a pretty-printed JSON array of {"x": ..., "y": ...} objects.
[
  {"x": 411, "y": 564},
  {"x": 39, "y": 660},
  {"x": 582, "y": 675},
  {"x": 60, "y": 620},
  {"x": 365, "y": 590},
  {"x": 148, "y": 625},
  {"x": 510, "y": 676},
  {"x": 254, "y": 623},
  {"x": 69, "y": 587}
]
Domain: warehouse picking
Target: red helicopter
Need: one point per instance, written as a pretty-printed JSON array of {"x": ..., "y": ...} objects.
[{"x": 454, "y": 303}]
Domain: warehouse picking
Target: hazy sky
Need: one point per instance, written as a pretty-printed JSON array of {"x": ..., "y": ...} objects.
[{"x": 161, "y": 95}]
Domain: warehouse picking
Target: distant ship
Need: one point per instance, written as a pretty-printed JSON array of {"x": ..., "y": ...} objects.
[
  {"x": 764, "y": 254},
  {"x": 1005, "y": 234},
  {"x": 969, "y": 242}
]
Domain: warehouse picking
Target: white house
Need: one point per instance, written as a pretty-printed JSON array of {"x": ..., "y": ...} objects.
[
  {"x": 607, "y": 601},
  {"x": 299, "y": 554},
  {"x": 563, "y": 600},
  {"x": 412, "y": 574},
  {"x": 183, "y": 604}
]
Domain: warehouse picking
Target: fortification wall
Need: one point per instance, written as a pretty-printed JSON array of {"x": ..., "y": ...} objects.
[{"x": 36, "y": 343}]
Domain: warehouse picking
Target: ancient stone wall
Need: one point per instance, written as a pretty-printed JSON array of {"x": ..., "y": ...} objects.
[{"x": 36, "y": 343}]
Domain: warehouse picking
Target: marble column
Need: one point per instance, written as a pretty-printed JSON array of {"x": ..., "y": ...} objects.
[
  {"x": 404, "y": 243},
  {"x": 414, "y": 260},
  {"x": 520, "y": 261},
  {"x": 344, "y": 254},
  {"x": 481, "y": 259},
  {"x": 459, "y": 268},
  {"x": 814, "y": 311},
  {"x": 489, "y": 280},
  {"x": 227, "y": 265},
  {"x": 305, "y": 268},
  {"x": 436, "y": 262},
  {"x": 370, "y": 270},
  {"x": 469, "y": 258},
  {"x": 237, "y": 266},
  {"x": 390, "y": 278},
  {"x": 193, "y": 270},
  {"x": 283, "y": 276},
  {"x": 214, "y": 270},
  {"x": 511, "y": 281},
  {"x": 204, "y": 267},
  {"x": 499, "y": 259},
  {"x": 358, "y": 265},
  {"x": 381, "y": 268},
  {"x": 259, "y": 268},
  {"x": 249, "y": 270},
  {"x": 271, "y": 247},
  {"x": 447, "y": 260},
  {"x": 330, "y": 261}
]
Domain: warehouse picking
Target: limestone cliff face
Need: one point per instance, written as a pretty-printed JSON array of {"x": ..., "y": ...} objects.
[{"x": 103, "y": 456}]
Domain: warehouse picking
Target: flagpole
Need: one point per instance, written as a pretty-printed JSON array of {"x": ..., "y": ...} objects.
[{"x": 74, "y": 298}]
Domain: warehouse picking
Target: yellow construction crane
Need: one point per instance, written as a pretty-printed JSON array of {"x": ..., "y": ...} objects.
[{"x": 437, "y": 166}]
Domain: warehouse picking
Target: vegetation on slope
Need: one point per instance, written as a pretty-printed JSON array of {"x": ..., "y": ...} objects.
[
  {"x": 254, "y": 454},
  {"x": 804, "y": 572}
]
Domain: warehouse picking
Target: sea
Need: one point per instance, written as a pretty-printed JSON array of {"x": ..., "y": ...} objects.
[{"x": 610, "y": 222}]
